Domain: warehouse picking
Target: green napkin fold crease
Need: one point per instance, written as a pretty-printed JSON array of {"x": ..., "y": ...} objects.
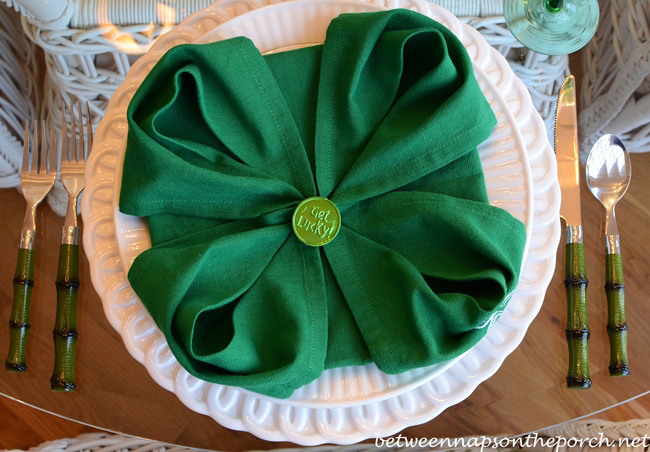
[{"x": 384, "y": 120}]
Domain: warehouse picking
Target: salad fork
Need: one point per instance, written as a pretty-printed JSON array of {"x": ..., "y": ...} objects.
[
  {"x": 73, "y": 163},
  {"x": 36, "y": 180}
]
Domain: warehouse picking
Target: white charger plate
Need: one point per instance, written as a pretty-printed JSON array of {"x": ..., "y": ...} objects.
[{"x": 354, "y": 403}]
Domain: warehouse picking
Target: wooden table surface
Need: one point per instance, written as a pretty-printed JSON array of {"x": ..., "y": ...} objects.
[{"x": 527, "y": 393}]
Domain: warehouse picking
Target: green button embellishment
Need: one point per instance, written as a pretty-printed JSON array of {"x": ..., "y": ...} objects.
[{"x": 316, "y": 221}]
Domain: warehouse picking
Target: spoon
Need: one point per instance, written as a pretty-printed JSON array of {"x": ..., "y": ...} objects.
[{"x": 608, "y": 176}]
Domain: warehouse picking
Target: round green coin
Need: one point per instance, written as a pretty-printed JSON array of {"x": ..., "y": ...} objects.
[{"x": 316, "y": 221}]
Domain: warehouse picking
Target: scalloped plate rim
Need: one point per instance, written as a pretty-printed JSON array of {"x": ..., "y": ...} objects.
[
  {"x": 433, "y": 370},
  {"x": 398, "y": 426}
]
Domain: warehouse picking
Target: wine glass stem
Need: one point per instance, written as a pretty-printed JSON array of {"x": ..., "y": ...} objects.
[{"x": 554, "y": 6}]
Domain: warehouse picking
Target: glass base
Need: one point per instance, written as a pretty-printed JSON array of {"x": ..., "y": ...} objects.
[{"x": 552, "y": 27}]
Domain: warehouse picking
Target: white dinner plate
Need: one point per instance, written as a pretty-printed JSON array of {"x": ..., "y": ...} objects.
[{"x": 349, "y": 404}]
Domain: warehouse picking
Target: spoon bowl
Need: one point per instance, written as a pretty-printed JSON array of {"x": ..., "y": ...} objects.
[{"x": 608, "y": 176}]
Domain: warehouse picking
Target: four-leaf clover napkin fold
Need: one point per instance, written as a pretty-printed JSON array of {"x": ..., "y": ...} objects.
[{"x": 384, "y": 120}]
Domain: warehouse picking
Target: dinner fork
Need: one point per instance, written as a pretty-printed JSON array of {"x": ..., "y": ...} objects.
[
  {"x": 36, "y": 180},
  {"x": 73, "y": 163}
]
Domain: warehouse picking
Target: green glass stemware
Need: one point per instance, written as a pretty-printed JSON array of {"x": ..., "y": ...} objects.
[{"x": 552, "y": 27}]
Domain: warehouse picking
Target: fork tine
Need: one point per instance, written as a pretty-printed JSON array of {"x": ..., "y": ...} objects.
[
  {"x": 35, "y": 148},
  {"x": 89, "y": 133},
  {"x": 25, "y": 169},
  {"x": 65, "y": 153},
  {"x": 42, "y": 168},
  {"x": 73, "y": 148},
  {"x": 52, "y": 151},
  {"x": 80, "y": 151}
]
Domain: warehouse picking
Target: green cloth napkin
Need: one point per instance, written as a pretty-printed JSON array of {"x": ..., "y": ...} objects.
[{"x": 383, "y": 119}]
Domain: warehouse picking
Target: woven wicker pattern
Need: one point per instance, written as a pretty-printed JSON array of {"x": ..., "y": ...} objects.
[
  {"x": 600, "y": 430},
  {"x": 20, "y": 100},
  {"x": 103, "y": 442},
  {"x": 623, "y": 433},
  {"x": 19, "y": 97},
  {"x": 90, "y": 45},
  {"x": 615, "y": 95}
]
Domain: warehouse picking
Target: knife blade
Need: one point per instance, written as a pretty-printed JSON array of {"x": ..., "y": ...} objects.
[{"x": 568, "y": 169}]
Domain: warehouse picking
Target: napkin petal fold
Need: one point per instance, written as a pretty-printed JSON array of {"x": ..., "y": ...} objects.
[
  {"x": 421, "y": 297},
  {"x": 164, "y": 274},
  {"x": 259, "y": 283},
  {"x": 377, "y": 134},
  {"x": 253, "y": 127}
]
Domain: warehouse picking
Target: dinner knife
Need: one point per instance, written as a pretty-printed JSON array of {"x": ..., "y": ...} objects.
[{"x": 568, "y": 170}]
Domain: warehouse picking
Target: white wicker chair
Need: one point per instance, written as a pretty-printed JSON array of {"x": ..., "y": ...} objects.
[
  {"x": 90, "y": 45},
  {"x": 14, "y": 107},
  {"x": 104, "y": 442},
  {"x": 615, "y": 95},
  {"x": 577, "y": 436},
  {"x": 598, "y": 430},
  {"x": 595, "y": 430},
  {"x": 19, "y": 95}
]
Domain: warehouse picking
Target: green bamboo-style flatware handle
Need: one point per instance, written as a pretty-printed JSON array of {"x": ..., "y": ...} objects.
[
  {"x": 19, "y": 320},
  {"x": 616, "y": 324},
  {"x": 65, "y": 328},
  {"x": 577, "y": 329},
  {"x": 609, "y": 171}
]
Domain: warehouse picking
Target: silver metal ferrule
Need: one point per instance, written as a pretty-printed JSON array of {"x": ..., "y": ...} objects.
[
  {"x": 574, "y": 234},
  {"x": 27, "y": 239},
  {"x": 70, "y": 235},
  {"x": 613, "y": 244}
]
